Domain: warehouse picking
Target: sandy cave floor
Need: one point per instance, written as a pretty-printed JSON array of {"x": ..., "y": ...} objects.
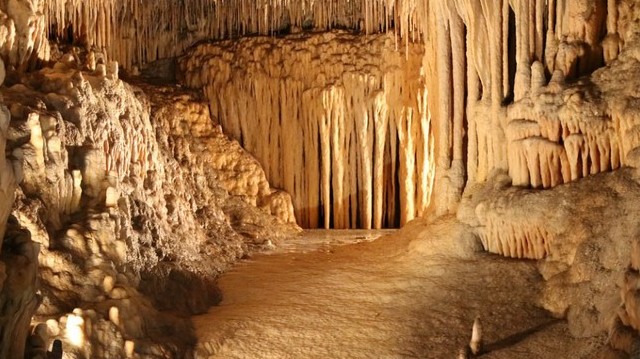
[{"x": 409, "y": 294}]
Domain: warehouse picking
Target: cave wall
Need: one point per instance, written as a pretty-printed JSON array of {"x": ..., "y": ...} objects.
[
  {"x": 484, "y": 65},
  {"x": 491, "y": 70},
  {"x": 23, "y": 43},
  {"x": 18, "y": 259},
  {"x": 545, "y": 101},
  {"x": 482, "y": 57}
]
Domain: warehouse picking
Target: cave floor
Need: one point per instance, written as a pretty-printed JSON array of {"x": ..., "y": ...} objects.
[{"x": 410, "y": 294}]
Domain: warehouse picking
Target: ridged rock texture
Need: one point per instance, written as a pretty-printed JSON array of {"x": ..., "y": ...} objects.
[
  {"x": 626, "y": 323},
  {"x": 23, "y": 26},
  {"x": 18, "y": 259},
  {"x": 556, "y": 118},
  {"x": 582, "y": 241}
]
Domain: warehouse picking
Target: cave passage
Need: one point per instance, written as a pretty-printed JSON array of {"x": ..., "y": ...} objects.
[{"x": 335, "y": 294}]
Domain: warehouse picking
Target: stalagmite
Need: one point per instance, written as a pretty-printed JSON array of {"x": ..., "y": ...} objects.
[{"x": 476, "y": 337}]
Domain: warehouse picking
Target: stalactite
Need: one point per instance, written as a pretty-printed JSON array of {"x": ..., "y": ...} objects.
[
  {"x": 339, "y": 137},
  {"x": 444, "y": 119},
  {"x": 458, "y": 55},
  {"x": 545, "y": 151},
  {"x": 381, "y": 124},
  {"x": 465, "y": 68},
  {"x": 516, "y": 239},
  {"x": 506, "y": 86},
  {"x": 554, "y": 37},
  {"x": 425, "y": 156}
]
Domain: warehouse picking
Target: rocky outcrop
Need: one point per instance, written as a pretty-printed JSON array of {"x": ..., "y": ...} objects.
[
  {"x": 623, "y": 331},
  {"x": 581, "y": 242},
  {"x": 23, "y": 40},
  {"x": 186, "y": 130},
  {"x": 130, "y": 215},
  {"x": 19, "y": 297}
]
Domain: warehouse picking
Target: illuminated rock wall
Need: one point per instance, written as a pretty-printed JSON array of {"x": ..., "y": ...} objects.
[
  {"x": 23, "y": 41},
  {"x": 417, "y": 103},
  {"x": 18, "y": 258},
  {"x": 337, "y": 120}
]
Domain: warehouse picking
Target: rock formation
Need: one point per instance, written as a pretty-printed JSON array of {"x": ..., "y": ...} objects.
[
  {"x": 623, "y": 331},
  {"x": 496, "y": 53}
]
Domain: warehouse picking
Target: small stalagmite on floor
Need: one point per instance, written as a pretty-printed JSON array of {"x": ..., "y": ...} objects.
[
  {"x": 475, "y": 346},
  {"x": 476, "y": 337}
]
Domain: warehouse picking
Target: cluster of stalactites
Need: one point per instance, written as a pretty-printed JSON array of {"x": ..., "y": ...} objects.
[
  {"x": 566, "y": 149},
  {"x": 23, "y": 44},
  {"x": 135, "y": 32},
  {"x": 515, "y": 239},
  {"x": 338, "y": 121}
]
